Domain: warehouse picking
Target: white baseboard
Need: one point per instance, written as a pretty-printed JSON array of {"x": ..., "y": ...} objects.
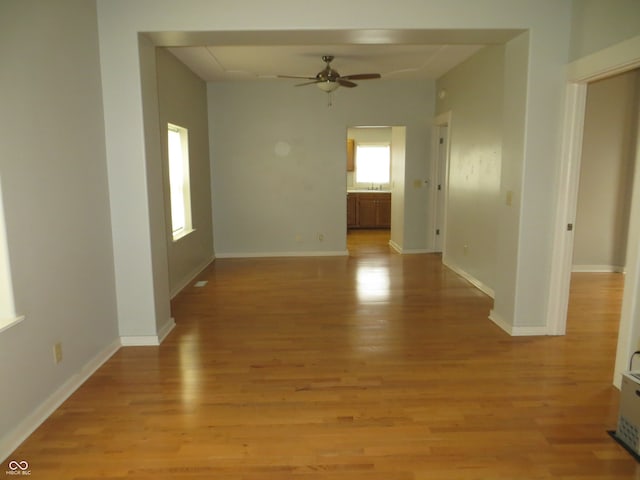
[
  {"x": 11, "y": 441},
  {"x": 395, "y": 246},
  {"x": 598, "y": 269},
  {"x": 487, "y": 290},
  {"x": 516, "y": 331},
  {"x": 337, "y": 253},
  {"x": 408, "y": 251},
  {"x": 197, "y": 271},
  {"x": 149, "y": 340}
]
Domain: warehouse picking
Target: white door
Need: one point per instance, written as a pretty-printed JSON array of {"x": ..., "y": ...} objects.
[{"x": 440, "y": 186}]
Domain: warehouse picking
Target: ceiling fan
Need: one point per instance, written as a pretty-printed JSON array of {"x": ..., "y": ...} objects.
[{"x": 329, "y": 79}]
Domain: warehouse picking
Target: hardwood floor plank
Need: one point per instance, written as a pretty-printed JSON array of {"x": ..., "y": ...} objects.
[{"x": 372, "y": 366}]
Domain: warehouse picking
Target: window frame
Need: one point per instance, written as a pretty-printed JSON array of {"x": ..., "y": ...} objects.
[{"x": 185, "y": 187}]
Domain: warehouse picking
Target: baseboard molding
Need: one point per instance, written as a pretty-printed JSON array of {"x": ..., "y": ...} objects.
[
  {"x": 598, "y": 269},
  {"x": 148, "y": 340},
  {"x": 516, "y": 331},
  {"x": 186, "y": 282},
  {"x": 471, "y": 279},
  {"x": 395, "y": 246},
  {"x": 12, "y": 440},
  {"x": 408, "y": 251},
  {"x": 337, "y": 253}
]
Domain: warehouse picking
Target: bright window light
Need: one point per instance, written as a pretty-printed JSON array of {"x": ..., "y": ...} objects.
[
  {"x": 373, "y": 163},
  {"x": 8, "y": 315},
  {"x": 179, "y": 181}
]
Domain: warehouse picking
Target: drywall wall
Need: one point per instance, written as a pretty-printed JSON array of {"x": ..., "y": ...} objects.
[
  {"x": 55, "y": 195},
  {"x": 121, "y": 20},
  {"x": 596, "y": 24},
  {"x": 606, "y": 173},
  {"x": 182, "y": 98},
  {"x": 472, "y": 92},
  {"x": 278, "y": 161}
]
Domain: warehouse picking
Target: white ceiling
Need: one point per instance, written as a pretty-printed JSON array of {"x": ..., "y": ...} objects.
[{"x": 395, "y": 54}]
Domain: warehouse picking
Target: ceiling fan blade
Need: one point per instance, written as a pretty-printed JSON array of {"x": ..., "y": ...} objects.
[
  {"x": 346, "y": 83},
  {"x": 308, "y": 83},
  {"x": 295, "y": 76},
  {"x": 361, "y": 76}
]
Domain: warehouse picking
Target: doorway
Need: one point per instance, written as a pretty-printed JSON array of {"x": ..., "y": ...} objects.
[
  {"x": 375, "y": 185},
  {"x": 602, "y": 220},
  {"x": 618, "y": 59}
]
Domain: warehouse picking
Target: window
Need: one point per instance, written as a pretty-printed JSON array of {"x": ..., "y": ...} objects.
[
  {"x": 8, "y": 315},
  {"x": 179, "y": 185},
  {"x": 373, "y": 164}
]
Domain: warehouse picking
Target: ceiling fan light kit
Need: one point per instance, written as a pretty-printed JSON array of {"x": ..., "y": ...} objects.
[{"x": 328, "y": 79}]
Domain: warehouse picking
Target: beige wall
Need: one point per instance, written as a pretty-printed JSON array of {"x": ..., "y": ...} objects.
[
  {"x": 606, "y": 172},
  {"x": 598, "y": 24},
  {"x": 474, "y": 92},
  {"x": 278, "y": 159},
  {"x": 182, "y": 98},
  {"x": 55, "y": 195}
]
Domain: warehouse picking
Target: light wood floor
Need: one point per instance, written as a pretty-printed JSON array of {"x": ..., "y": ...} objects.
[{"x": 376, "y": 366}]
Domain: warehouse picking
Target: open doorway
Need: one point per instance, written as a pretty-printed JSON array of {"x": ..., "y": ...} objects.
[
  {"x": 375, "y": 186},
  {"x": 605, "y": 187},
  {"x": 600, "y": 65}
]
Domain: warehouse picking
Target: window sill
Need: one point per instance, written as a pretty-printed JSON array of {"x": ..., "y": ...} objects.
[
  {"x": 182, "y": 234},
  {"x": 10, "y": 323}
]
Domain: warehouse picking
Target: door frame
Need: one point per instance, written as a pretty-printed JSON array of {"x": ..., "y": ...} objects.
[
  {"x": 605, "y": 63},
  {"x": 442, "y": 120}
]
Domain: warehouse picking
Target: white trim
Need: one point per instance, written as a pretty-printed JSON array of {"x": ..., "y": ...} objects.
[
  {"x": 166, "y": 330},
  {"x": 516, "y": 331},
  {"x": 607, "y": 62},
  {"x": 487, "y": 290},
  {"x": 409, "y": 251},
  {"x": 148, "y": 340},
  {"x": 566, "y": 205},
  {"x": 597, "y": 269},
  {"x": 395, "y": 246},
  {"x": 197, "y": 271},
  {"x": 11, "y": 441},
  {"x": 10, "y": 322},
  {"x": 340, "y": 253}
]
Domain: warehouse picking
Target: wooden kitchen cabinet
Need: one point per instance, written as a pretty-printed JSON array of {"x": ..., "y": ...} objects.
[
  {"x": 352, "y": 210},
  {"x": 351, "y": 147},
  {"x": 368, "y": 210}
]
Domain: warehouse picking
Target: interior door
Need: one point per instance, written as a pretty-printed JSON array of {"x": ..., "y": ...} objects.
[{"x": 440, "y": 186}]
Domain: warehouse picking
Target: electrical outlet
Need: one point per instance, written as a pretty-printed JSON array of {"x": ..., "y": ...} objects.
[
  {"x": 57, "y": 352},
  {"x": 321, "y": 237}
]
